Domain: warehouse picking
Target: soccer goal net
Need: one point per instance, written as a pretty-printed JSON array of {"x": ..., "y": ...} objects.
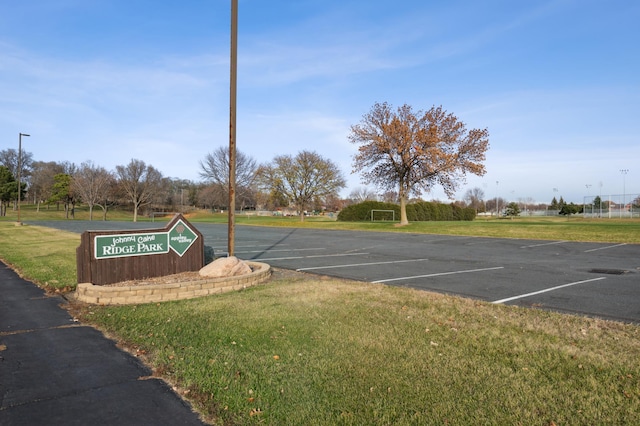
[{"x": 383, "y": 215}]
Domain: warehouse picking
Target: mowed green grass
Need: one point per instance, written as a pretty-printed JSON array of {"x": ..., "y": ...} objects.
[
  {"x": 304, "y": 350},
  {"x": 327, "y": 352},
  {"x": 575, "y": 228},
  {"x": 45, "y": 256},
  {"x": 543, "y": 228}
]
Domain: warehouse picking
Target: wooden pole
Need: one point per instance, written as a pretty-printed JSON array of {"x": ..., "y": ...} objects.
[{"x": 232, "y": 126}]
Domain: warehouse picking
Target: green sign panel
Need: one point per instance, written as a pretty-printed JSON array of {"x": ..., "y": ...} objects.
[
  {"x": 181, "y": 237},
  {"x": 122, "y": 245}
]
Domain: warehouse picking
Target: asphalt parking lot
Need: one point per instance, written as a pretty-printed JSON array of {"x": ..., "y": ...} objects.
[{"x": 595, "y": 279}]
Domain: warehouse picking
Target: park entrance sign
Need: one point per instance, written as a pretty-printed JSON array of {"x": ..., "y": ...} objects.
[
  {"x": 179, "y": 238},
  {"x": 122, "y": 245},
  {"x": 106, "y": 257}
]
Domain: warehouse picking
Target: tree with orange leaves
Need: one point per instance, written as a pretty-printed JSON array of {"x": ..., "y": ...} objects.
[{"x": 413, "y": 151}]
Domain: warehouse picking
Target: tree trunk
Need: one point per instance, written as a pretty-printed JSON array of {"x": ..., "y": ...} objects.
[{"x": 403, "y": 210}]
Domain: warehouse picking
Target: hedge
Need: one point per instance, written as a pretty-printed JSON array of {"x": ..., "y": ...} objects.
[
  {"x": 362, "y": 211},
  {"x": 416, "y": 212}
]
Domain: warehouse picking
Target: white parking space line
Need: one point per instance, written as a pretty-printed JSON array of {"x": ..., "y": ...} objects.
[
  {"x": 483, "y": 241},
  {"x": 274, "y": 250},
  {"x": 509, "y": 299},
  {"x": 259, "y": 245},
  {"x": 360, "y": 264},
  {"x": 226, "y": 253},
  {"x": 313, "y": 256},
  {"x": 438, "y": 274},
  {"x": 545, "y": 244},
  {"x": 605, "y": 248}
]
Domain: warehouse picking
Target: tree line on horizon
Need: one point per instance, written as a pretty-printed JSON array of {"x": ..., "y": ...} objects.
[{"x": 401, "y": 152}]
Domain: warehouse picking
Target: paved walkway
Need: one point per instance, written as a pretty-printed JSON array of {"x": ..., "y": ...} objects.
[{"x": 57, "y": 372}]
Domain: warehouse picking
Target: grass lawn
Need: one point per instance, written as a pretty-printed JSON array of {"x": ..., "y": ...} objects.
[
  {"x": 574, "y": 228},
  {"x": 540, "y": 228},
  {"x": 327, "y": 352},
  {"x": 304, "y": 350}
]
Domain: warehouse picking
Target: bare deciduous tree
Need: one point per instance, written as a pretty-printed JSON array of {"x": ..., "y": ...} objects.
[
  {"x": 92, "y": 183},
  {"x": 9, "y": 159},
  {"x": 362, "y": 194},
  {"x": 414, "y": 151},
  {"x": 12, "y": 159},
  {"x": 475, "y": 199},
  {"x": 215, "y": 170},
  {"x": 42, "y": 180},
  {"x": 140, "y": 182},
  {"x": 301, "y": 179},
  {"x": 389, "y": 197}
]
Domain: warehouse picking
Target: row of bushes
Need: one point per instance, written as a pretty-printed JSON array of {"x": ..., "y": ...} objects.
[{"x": 416, "y": 212}]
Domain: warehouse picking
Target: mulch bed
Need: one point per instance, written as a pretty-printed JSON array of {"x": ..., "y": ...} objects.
[{"x": 182, "y": 277}]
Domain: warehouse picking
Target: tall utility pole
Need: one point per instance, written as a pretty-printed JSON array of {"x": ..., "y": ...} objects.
[
  {"x": 232, "y": 126},
  {"x": 20, "y": 170}
]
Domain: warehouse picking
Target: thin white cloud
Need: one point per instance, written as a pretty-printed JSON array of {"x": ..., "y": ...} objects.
[{"x": 304, "y": 78}]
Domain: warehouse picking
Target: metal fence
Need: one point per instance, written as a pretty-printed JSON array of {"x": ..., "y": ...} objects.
[{"x": 612, "y": 206}]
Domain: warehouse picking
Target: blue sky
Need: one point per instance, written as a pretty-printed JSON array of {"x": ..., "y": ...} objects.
[{"x": 556, "y": 82}]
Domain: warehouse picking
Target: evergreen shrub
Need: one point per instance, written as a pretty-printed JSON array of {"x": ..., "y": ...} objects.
[
  {"x": 416, "y": 212},
  {"x": 362, "y": 211}
]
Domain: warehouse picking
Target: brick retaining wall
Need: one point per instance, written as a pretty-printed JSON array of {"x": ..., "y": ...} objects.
[{"x": 126, "y": 295}]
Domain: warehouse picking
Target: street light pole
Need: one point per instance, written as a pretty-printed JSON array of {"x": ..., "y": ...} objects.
[
  {"x": 20, "y": 135},
  {"x": 624, "y": 190}
]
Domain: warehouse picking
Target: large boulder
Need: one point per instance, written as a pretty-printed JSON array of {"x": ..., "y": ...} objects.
[{"x": 225, "y": 267}]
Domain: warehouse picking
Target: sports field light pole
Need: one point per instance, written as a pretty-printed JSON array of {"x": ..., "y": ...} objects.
[
  {"x": 20, "y": 135},
  {"x": 600, "y": 197},
  {"x": 584, "y": 204},
  {"x": 624, "y": 189},
  {"x": 497, "y": 202},
  {"x": 232, "y": 126}
]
